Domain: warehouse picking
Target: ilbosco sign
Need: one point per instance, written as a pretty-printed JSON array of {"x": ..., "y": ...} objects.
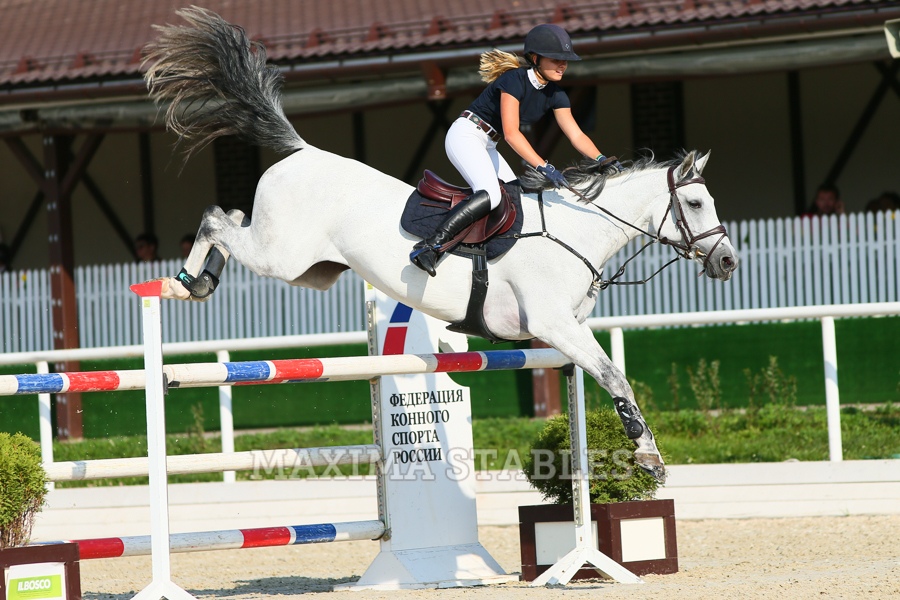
[{"x": 42, "y": 581}]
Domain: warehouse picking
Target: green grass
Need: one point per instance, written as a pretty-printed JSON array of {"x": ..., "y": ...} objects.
[
  {"x": 774, "y": 433},
  {"x": 771, "y": 433}
]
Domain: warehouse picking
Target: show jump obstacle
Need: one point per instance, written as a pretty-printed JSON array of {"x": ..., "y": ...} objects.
[{"x": 427, "y": 525}]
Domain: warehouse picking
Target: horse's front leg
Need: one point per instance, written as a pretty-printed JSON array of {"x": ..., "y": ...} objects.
[
  {"x": 578, "y": 343},
  {"x": 186, "y": 285}
]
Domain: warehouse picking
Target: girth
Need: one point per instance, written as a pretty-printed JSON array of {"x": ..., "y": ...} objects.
[{"x": 473, "y": 323}]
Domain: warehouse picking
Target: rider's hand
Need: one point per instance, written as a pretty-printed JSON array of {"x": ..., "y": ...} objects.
[
  {"x": 555, "y": 177},
  {"x": 611, "y": 160}
]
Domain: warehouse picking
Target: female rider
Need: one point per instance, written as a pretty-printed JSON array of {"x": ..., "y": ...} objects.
[{"x": 518, "y": 94}]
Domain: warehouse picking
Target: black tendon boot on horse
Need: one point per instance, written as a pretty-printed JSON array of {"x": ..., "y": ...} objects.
[{"x": 425, "y": 254}]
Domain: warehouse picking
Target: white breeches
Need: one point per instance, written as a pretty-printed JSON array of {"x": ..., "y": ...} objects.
[{"x": 475, "y": 156}]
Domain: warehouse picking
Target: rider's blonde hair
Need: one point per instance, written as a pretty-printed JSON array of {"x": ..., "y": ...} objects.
[{"x": 495, "y": 63}]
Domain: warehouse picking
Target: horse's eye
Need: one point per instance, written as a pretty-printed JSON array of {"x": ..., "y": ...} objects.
[{"x": 694, "y": 203}]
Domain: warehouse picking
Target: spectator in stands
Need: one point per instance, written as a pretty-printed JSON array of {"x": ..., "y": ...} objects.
[
  {"x": 886, "y": 201},
  {"x": 145, "y": 247},
  {"x": 827, "y": 202},
  {"x": 186, "y": 243}
]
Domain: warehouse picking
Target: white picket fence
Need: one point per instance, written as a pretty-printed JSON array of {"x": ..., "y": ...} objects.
[{"x": 789, "y": 262}]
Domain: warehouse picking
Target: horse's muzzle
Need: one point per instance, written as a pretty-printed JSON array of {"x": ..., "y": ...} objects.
[{"x": 722, "y": 264}]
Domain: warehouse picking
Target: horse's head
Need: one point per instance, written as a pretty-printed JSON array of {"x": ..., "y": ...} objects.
[{"x": 691, "y": 224}]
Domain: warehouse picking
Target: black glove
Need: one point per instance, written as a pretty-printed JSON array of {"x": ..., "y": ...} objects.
[
  {"x": 555, "y": 177},
  {"x": 611, "y": 160}
]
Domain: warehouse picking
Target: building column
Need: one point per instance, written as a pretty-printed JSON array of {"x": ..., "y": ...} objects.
[
  {"x": 546, "y": 388},
  {"x": 62, "y": 268}
]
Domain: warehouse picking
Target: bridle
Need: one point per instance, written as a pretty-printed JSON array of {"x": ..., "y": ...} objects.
[{"x": 685, "y": 249}]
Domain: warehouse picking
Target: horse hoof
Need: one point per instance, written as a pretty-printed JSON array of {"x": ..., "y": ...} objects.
[
  {"x": 203, "y": 286},
  {"x": 173, "y": 290},
  {"x": 653, "y": 464},
  {"x": 198, "y": 288}
]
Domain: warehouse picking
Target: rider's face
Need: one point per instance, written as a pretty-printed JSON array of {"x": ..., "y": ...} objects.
[{"x": 552, "y": 69}]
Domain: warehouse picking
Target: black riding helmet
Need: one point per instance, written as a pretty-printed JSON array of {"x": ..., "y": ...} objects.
[{"x": 551, "y": 41}]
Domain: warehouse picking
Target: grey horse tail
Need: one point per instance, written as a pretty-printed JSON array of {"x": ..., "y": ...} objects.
[{"x": 217, "y": 83}]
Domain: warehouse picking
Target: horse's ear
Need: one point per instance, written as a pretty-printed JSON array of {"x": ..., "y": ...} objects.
[
  {"x": 700, "y": 163},
  {"x": 684, "y": 169}
]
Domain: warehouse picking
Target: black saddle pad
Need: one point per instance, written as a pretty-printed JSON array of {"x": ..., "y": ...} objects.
[{"x": 421, "y": 216}]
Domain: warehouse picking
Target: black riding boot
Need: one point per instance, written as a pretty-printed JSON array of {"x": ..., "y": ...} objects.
[{"x": 425, "y": 254}]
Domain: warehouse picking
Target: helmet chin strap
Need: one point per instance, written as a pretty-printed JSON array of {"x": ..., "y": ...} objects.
[{"x": 536, "y": 65}]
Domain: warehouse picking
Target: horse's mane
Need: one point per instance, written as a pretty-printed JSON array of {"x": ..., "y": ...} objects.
[{"x": 588, "y": 177}]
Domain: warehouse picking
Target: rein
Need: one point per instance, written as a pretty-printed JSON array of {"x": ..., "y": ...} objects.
[
  {"x": 598, "y": 278},
  {"x": 685, "y": 249}
]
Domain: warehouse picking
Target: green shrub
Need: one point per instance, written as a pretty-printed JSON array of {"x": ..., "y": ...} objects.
[
  {"x": 22, "y": 488},
  {"x": 706, "y": 385},
  {"x": 674, "y": 386},
  {"x": 773, "y": 384},
  {"x": 643, "y": 393},
  {"x": 613, "y": 475}
]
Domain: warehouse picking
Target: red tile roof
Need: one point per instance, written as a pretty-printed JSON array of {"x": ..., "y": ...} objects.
[{"x": 65, "y": 41}]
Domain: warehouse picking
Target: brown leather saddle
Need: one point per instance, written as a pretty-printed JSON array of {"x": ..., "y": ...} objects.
[{"x": 497, "y": 222}]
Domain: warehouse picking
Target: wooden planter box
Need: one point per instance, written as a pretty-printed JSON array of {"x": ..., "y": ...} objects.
[
  {"x": 638, "y": 535},
  {"x": 67, "y": 586}
]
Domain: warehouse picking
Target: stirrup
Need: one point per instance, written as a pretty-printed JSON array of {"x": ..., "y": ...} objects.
[{"x": 421, "y": 254}]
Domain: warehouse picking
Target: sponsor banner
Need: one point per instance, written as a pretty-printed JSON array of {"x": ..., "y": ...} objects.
[{"x": 38, "y": 581}]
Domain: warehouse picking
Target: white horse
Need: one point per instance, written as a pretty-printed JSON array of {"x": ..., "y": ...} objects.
[{"x": 316, "y": 214}]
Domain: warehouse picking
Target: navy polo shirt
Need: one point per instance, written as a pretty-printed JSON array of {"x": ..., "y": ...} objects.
[{"x": 533, "y": 103}]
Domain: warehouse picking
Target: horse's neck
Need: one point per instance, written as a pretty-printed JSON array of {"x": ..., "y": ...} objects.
[{"x": 636, "y": 199}]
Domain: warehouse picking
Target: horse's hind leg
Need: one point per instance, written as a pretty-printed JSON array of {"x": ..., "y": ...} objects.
[
  {"x": 186, "y": 286},
  {"x": 578, "y": 343}
]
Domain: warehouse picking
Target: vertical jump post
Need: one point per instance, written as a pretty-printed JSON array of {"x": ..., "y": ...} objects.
[
  {"x": 161, "y": 586},
  {"x": 584, "y": 552}
]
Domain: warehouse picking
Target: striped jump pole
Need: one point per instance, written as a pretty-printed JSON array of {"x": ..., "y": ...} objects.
[
  {"x": 230, "y": 539},
  {"x": 283, "y": 371}
]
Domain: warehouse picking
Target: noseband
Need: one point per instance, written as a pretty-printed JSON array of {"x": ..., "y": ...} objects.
[{"x": 687, "y": 248}]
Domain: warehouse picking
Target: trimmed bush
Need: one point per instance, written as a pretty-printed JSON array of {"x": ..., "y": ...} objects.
[
  {"x": 22, "y": 488},
  {"x": 613, "y": 475}
]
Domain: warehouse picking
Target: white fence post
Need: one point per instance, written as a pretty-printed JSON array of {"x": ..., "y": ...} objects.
[
  {"x": 617, "y": 341},
  {"x": 46, "y": 427},
  {"x": 226, "y": 417},
  {"x": 832, "y": 395}
]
